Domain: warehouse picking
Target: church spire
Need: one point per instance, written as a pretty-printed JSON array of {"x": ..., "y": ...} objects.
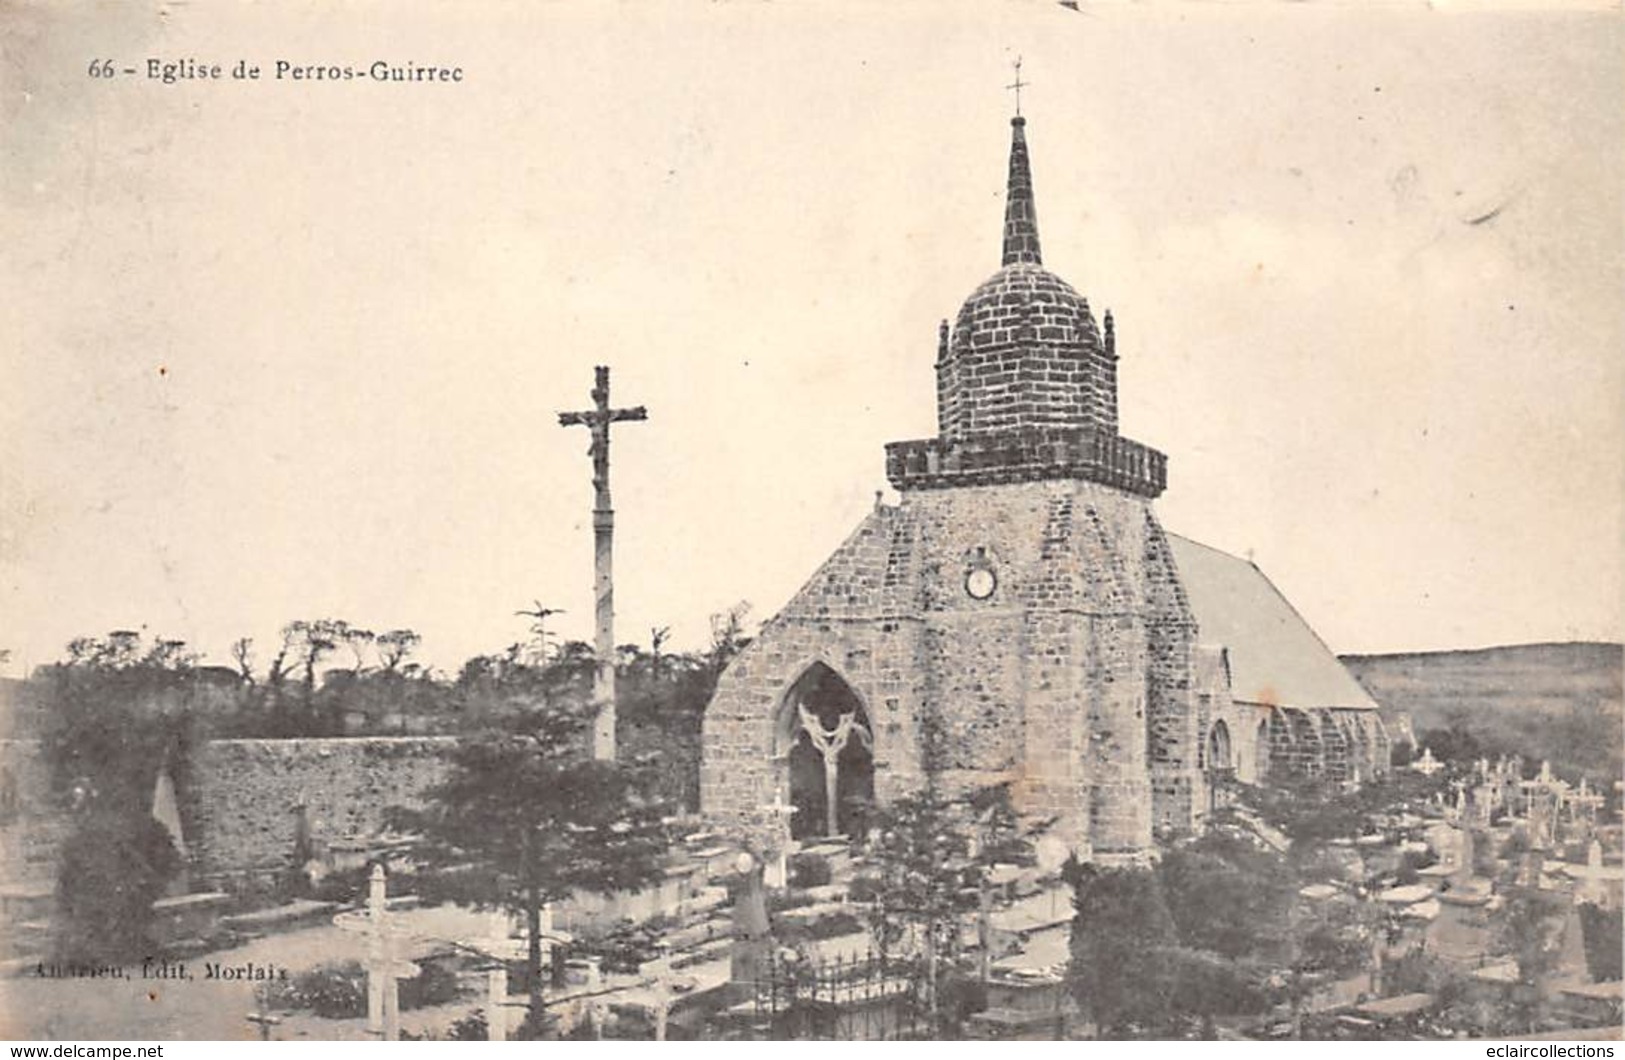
[{"x": 1020, "y": 215}]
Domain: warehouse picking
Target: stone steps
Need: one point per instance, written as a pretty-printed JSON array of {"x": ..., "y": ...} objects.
[
  {"x": 836, "y": 855},
  {"x": 699, "y": 933},
  {"x": 28, "y": 936},
  {"x": 24, "y": 901},
  {"x": 716, "y": 949},
  {"x": 280, "y": 918}
]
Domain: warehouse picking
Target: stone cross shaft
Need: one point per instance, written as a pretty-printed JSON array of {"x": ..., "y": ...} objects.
[{"x": 598, "y": 419}]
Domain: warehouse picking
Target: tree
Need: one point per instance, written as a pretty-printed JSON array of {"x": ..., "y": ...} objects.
[
  {"x": 728, "y": 637},
  {"x": 1223, "y": 890},
  {"x": 920, "y": 853},
  {"x": 1122, "y": 932},
  {"x": 242, "y": 653},
  {"x": 117, "y": 709},
  {"x": 929, "y": 861},
  {"x": 395, "y": 646},
  {"x": 526, "y": 817},
  {"x": 114, "y": 864},
  {"x": 1530, "y": 931}
]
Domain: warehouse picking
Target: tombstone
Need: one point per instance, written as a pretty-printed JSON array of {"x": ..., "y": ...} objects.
[
  {"x": 1571, "y": 958},
  {"x": 1592, "y": 887},
  {"x": 1465, "y": 844},
  {"x": 1529, "y": 873},
  {"x": 752, "y": 945},
  {"x": 499, "y": 947},
  {"x": 1540, "y": 820},
  {"x": 166, "y": 811},
  {"x": 661, "y": 988}
]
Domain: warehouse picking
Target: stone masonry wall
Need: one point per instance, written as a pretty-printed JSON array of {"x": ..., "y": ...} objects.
[
  {"x": 30, "y": 827},
  {"x": 241, "y": 800},
  {"x": 246, "y": 794},
  {"x": 1337, "y": 744},
  {"x": 1047, "y": 683},
  {"x": 1174, "y": 729}
]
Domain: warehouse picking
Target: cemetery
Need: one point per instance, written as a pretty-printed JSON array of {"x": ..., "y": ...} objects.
[{"x": 1014, "y": 763}]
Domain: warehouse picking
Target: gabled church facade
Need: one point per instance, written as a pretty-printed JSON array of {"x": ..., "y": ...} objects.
[{"x": 1021, "y": 616}]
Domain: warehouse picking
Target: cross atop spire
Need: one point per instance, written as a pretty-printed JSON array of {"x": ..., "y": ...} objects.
[{"x": 1018, "y": 85}]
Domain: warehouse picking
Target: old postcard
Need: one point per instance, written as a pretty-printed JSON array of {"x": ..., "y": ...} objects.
[{"x": 757, "y": 522}]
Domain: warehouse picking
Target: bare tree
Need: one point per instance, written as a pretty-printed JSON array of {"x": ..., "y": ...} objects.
[
  {"x": 242, "y": 653},
  {"x": 394, "y": 646},
  {"x": 538, "y": 630}
]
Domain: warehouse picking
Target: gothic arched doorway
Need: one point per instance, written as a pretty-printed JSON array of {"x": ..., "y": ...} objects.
[
  {"x": 823, "y": 734},
  {"x": 1218, "y": 748}
]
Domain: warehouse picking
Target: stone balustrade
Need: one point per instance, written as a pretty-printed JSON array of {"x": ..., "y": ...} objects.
[{"x": 1027, "y": 455}]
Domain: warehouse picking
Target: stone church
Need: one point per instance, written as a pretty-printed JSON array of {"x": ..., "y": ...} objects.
[{"x": 1022, "y": 617}]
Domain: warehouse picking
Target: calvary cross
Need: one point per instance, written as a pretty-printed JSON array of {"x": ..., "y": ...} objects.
[{"x": 597, "y": 419}]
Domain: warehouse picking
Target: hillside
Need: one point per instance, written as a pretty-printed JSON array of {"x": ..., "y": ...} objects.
[{"x": 1560, "y": 702}]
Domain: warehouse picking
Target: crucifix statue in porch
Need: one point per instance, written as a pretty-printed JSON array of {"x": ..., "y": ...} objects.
[
  {"x": 597, "y": 419},
  {"x": 829, "y": 743}
]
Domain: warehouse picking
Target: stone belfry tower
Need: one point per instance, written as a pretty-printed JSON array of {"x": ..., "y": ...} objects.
[{"x": 1017, "y": 618}]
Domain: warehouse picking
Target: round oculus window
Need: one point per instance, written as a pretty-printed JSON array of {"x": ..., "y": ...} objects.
[{"x": 981, "y": 582}]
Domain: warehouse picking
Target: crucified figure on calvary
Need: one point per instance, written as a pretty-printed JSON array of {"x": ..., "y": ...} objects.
[{"x": 829, "y": 743}]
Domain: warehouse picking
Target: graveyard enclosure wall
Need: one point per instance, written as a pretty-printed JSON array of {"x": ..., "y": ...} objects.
[
  {"x": 245, "y": 796},
  {"x": 31, "y": 830},
  {"x": 242, "y": 799},
  {"x": 672, "y": 741}
]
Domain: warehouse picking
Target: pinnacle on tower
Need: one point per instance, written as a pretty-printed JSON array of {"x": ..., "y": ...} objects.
[{"x": 1020, "y": 215}]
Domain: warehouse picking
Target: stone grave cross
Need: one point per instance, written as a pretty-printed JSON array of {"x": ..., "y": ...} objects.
[
  {"x": 384, "y": 967},
  {"x": 777, "y": 871}
]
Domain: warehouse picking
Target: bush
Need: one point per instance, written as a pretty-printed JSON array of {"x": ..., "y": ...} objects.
[
  {"x": 436, "y": 984},
  {"x": 625, "y": 947},
  {"x": 779, "y": 901},
  {"x": 113, "y": 866},
  {"x": 339, "y": 991},
  {"x": 471, "y": 1028},
  {"x": 1601, "y": 930},
  {"x": 809, "y": 870},
  {"x": 828, "y": 926},
  {"x": 864, "y": 889},
  {"x": 331, "y": 991}
]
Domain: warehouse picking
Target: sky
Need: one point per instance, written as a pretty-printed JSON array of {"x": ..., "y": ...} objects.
[{"x": 280, "y": 349}]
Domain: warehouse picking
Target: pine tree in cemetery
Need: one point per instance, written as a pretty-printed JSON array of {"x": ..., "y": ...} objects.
[{"x": 527, "y": 817}]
